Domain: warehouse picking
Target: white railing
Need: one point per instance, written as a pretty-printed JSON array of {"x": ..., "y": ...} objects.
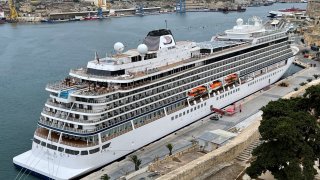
[{"x": 73, "y": 109}]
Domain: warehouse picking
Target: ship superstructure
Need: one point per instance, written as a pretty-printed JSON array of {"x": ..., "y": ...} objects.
[{"x": 124, "y": 101}]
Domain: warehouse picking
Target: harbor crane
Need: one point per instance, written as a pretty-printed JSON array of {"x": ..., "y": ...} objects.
[
  {"x": 13, "y": 12},
  {"x": 100, "y": 4}
]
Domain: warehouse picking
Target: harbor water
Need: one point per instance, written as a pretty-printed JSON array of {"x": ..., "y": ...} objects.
[{"x": 31, "y": 55}]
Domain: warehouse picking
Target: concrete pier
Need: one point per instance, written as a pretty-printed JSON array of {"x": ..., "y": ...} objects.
[{"x": 114, "y": 12}]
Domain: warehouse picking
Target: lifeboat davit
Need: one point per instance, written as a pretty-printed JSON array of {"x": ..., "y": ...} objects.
[
  {"x": 197, "y": 91},
  {"x": 215, "y": 85},
  {"x": 231, "y": 78}
]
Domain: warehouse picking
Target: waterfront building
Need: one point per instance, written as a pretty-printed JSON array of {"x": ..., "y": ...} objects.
[{"x": 313, "y": 8}]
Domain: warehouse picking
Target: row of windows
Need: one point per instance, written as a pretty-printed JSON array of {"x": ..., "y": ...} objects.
[
  {"x": 188, "y": 111},
  {"x": 261, "y": 79},
  {"x": 228, "y": 93},
  {"x": 116, "y": 130},
  {"x": 268, "y": 38},
  {"x": 69, "y": 151}
]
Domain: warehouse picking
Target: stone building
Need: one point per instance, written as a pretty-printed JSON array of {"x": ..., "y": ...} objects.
[
  {"x": 312, "y": 35},
  {"x": 313, "y": 8}
]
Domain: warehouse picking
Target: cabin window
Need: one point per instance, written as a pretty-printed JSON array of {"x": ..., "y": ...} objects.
[
  {"x": 36, "y": 140},
  {"x": 150, "y": 56},
  {"x": 52, "y": 146},
  {"x": 84, "y": 152},
  {"x": 60, "y": 149},
  {"x": 92, "y": 151},
  {"x": 136, "y": 58},
  {"x": 69, "y": 151},
  {"x": 106, "y": 146},
  {"x": 105, "y": 73},
  {"x": 205, "y": 51}
]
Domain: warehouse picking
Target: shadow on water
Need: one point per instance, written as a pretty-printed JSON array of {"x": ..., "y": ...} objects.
[{"x": 292, "y": 70}]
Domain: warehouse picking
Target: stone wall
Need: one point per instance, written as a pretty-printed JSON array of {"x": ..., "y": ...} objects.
[
  {"x": 230, "y": 151},
  {"x": 167, "y": 158},
  {"x": 312, "y": 38}
]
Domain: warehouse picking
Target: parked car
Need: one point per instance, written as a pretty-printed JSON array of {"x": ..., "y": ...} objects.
[{"x": 214, "y": 117}]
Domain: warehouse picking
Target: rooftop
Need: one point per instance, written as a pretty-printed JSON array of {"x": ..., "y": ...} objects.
[{"x": 218, "y": 136}]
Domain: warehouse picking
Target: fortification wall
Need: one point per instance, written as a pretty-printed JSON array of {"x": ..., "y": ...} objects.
[{"x": 230, "y": 151}]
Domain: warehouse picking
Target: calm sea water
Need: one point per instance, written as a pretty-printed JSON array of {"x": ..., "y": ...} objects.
[{"x": 31, "y": 55}]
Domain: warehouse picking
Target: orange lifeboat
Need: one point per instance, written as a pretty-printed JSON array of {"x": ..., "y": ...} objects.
[
  {"x": 231, "y": 78},
  {"x": 215, "y": 85},
  {"x": 197, "y": 91}
]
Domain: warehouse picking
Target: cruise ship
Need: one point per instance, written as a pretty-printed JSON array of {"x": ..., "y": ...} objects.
[{"x": 119, "y": 103}]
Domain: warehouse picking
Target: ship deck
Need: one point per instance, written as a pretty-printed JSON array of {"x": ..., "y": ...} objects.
[
  {"x": 221, "y": 47},
  {"x": 74, "y": 142},
  {"x": 129, "y": 80}
]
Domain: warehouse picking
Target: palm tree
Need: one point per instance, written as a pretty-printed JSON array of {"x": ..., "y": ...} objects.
[
  {"x": 170, "y": 147},
  {"x": 136, "y": 161},
  {"x": 105, "y": 177}
]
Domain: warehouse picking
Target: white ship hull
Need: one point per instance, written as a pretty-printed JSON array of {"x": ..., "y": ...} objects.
[{"x": 59, "y": 165}]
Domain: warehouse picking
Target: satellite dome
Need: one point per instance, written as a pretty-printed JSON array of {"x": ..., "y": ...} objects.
[
  {"x": 142, "y": 49},
  {"x": 118, "y": 47},
  {"x": 239, "y": 22}
]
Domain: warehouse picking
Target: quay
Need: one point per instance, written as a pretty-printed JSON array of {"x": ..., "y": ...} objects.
[
  {"x": 183, "y": 138},
  {"x": 111, "y": 12}
]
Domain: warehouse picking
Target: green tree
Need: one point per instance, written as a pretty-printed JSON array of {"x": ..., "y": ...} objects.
[
  {"x": 291, "y": 141},
  {"x": 105, "y": 177},
  {"x": 136, "y": 161},
  {"x": 170, "y": 147},
  {"x": 312, "y": 97},
  {"x": 303, "y": 83}
]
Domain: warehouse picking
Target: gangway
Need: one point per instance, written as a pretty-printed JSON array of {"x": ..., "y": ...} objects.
[{"x": 229, "y": 111}]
